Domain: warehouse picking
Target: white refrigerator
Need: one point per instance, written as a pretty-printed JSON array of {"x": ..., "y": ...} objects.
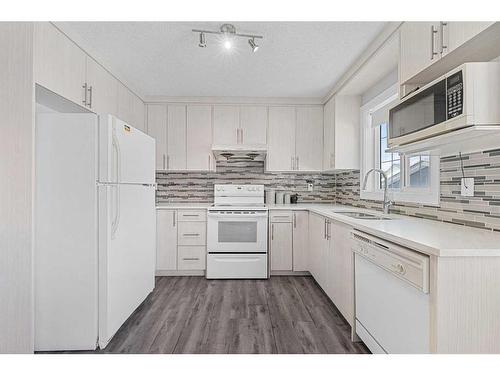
[{"x": 95, "y": 228}]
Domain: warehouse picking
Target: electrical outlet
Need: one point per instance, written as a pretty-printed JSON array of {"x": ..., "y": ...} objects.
[
  {"x": 468, "y": 187},
  {"x": 310, "y": 187}
]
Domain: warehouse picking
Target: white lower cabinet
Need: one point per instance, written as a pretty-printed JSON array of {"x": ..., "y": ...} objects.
[
  {"x": 181, "y": 241},
  {"x": 300, "y": 240},
  {"x": 166, "y": 240},
  {"x": 281, "y": 246}
]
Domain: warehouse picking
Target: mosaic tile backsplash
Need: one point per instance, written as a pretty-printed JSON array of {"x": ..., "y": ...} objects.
[
  {"x": 482, "y": 210},
  {"x": 198, "y": 186}
]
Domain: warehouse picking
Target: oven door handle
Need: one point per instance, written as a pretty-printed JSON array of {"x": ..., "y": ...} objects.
[{"x": 236, "y": 216}]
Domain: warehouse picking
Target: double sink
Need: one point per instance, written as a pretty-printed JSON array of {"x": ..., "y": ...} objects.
[{"x": 362, "y": 215}]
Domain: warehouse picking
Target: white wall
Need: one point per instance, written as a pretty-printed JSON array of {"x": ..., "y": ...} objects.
[
  {"x": 382, "y": 85},
  {"x": 16, "y": 178}
]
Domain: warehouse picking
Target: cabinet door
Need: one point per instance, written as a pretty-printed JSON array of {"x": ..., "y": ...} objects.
[
  {"x": 166, "y": 240},
  {"x": 329, "y": 135},
  {"x": 59, "y": 64},
  {"x": 316, "y": 239},
  {"x": 176, "y": 137},
  {"x": 157, "y": 128},
  {"x": 226, "y": 124},
  {"x": 281, "y": 247},
  {"x": 137, "y": 115},
  {"x": 419, "y": 47},
  {"x": 309, "y": 139},
  {"x": 199, "y": 137},
  {"x": 457, "y": 33},
  {"x": 342, "y": 269},
  {"x": 103, "y": 87},
  {"x": 346, "y": 149},
  {"x": 253, "y": 124},
  {"x": 281, "y": 139},
  {"x": 300, "y": 240}
]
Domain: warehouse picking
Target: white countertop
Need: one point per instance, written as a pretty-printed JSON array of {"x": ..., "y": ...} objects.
[{"x": 423, "y": 235}]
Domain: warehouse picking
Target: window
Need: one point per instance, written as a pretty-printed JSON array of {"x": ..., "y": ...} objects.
[{"x": 410, "y": 178}]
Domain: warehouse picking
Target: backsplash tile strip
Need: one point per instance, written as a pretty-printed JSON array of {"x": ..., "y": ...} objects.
[
  {"x": 482, "y": 210},
  {"x": 198, "y": 186}
]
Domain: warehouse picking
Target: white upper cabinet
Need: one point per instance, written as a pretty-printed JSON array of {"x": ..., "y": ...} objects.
[
  {"x": 157, "y": 128},
  {"x": 309, "y": 139},
  {"x": 59, "y": 64},
  {"x": 341, "y": 133},
  {"x": 226, "y": 125},
  {"x": 457, "y": 33},
  {"x": 130, "y": 107},
  {"x": 253, "y": 125},
  {"x": 419, "y": 48},
  {"x": 199, "y": 138},
  {"x": 102, "y": 89},
  {"x": 422, "y": 44},
  {"x": 176, "y": 137},
  {"x": 240, "y": 125},
  {"x": 281, "y": 139}
]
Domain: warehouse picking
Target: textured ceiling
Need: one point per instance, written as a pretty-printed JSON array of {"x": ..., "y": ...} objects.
[{"x": 296, "y": 59}]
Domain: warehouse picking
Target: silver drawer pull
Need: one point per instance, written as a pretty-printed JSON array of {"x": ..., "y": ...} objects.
[
  {"x": 190, "y": 215},
  {"x": 191, "y": 234},
  {"x": 281, "y": 216},
  {"x": 190, "y": 258}
]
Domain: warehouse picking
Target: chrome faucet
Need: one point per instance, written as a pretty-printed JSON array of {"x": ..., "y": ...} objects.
[{"x": 387, "y": 203}]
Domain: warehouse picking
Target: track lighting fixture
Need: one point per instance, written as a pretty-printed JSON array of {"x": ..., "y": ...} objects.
[
  {"x": 203, "y": 42},
  {"x": 229, "y": 34},
  {"x": 253, "y": 45}
]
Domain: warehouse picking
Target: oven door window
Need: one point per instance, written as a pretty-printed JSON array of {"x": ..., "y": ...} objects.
[
  {"x": 425, "y": 109},
  {"x": 237, "y": 231}
]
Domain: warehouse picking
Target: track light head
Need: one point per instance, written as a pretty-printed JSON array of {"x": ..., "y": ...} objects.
[
  {"x": 253, "y": 45},
  {"x": 202, "y": 43}
]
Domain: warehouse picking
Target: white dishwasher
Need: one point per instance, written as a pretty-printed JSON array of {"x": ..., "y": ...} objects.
[{"x": 391, "y": 296}]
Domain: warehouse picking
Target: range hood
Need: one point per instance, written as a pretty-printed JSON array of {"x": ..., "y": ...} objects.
[{"x": 247, "y": 152}]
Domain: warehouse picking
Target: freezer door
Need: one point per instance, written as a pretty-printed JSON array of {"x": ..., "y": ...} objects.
[
  {"x": 127, "y": 238},
  {"x": 126, "y": 154},
  {"x": 65, "y": 237}
]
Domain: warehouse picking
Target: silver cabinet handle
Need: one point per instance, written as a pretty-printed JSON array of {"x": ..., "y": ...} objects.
[
  {"x": 433, "y": 39},
  {"x": 443, "y": 46},
  {"x": 241, "y": 132},
  {"x": 237, "y": 135},
  {"x": 282, "y": 216},
  {"x": 84, "y": 101},
  {"x": 190, "y": 258},
  {"x": 173, "y": 218},
  {"x": 191, "y": 234},
  {"x": 190, "y": 215},
  {"x": 291, "y": 163},
  {"x": 324, "y": 229},
  {"x": 168, "y": 161},
  {"x": 209, "y": 162},
  {"x": 294, "y": 220},
  {"x": 297, "y": 163},
  {"x": 163, "y": 161},
  {"x": 89, "y": 104},
  {"x": 272, "y": 232},
  {"x": 328, "y": 229}
]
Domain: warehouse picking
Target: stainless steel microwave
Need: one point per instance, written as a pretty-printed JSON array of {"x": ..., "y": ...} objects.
[{"x": 466, "y": 96}]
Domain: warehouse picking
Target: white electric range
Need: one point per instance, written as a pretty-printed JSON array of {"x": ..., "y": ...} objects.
[{"x": 237, "y": 233}]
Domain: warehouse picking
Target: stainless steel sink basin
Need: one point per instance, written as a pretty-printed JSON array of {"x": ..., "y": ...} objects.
[{"x": 362, "y": 215}]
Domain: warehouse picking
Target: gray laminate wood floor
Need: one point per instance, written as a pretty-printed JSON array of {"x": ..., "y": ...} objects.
[{"x": 285, "y": 314}]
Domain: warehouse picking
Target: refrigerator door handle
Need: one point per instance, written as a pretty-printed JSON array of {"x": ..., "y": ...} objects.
[
  {"x": 116, "y": 147},
  {"x": 116, "y": 217}
]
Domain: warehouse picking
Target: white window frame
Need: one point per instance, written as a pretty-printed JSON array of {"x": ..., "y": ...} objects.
[{"x": 370, "y": 158}]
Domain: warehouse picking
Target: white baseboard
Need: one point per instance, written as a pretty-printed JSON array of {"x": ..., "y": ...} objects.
[{"x": 290, "y": 273}]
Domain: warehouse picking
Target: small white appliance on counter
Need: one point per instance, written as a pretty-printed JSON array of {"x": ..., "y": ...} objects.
[
  {"x": 392, "y": 296},
  {"x": 95, "y": 228},
  {"x": 237, "y": 233}
]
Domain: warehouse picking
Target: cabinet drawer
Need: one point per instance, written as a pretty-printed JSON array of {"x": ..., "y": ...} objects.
[
  {"x": 192, "y": 215},
  {"x": 192, "y": 233},
  {"x": 191, "y": 258},
  {"x": 279, "y": 216}
]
